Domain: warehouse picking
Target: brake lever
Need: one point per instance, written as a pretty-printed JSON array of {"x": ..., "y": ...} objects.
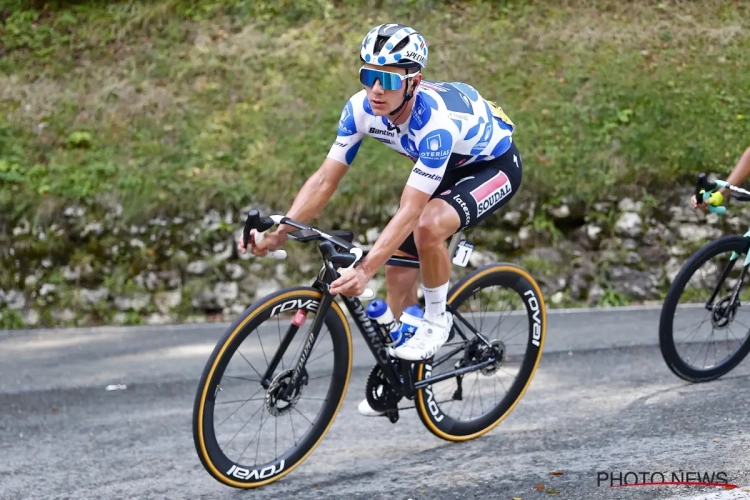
[{"x": 254, "y": 219}]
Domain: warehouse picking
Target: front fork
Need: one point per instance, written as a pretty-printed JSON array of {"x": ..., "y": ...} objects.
[
  {"x": 736, "y": 291},
  {"x": 299, "y": 367}
]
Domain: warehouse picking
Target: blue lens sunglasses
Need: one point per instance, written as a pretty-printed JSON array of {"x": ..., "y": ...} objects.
[{"x": 388, "y": 80}]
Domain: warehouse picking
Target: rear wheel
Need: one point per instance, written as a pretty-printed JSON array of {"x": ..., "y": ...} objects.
[
  {"x": 506, "y": 348},
  {"x": 313, "y": 404}
]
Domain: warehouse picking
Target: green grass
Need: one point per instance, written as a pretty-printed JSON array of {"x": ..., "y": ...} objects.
[{"x": 175, "y": 106}]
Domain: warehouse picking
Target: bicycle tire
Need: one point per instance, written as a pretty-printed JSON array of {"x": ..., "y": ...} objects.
[
  {"x": 216, "y": 463},
  {"x": 509, "y": 276},
  {"x": 667, "y": 345}
]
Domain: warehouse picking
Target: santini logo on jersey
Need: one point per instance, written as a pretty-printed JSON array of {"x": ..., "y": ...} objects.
[
  {"x": 378, "y": 131},
  {"x": 434, "y": 177},
  {"x": 490, "y": 193}
]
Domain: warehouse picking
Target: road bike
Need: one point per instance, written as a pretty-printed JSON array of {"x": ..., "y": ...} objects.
[
  {"x": 724, "y": 301},
  {"x": 280, "y": 391}
]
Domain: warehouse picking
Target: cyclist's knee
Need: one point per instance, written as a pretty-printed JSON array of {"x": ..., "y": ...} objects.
[{"x": 436, "y": 224}]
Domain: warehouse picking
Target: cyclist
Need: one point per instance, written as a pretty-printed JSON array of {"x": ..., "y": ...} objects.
[
  {"x": 466, "y": 166},
  {"x": 739, "y": 173}
]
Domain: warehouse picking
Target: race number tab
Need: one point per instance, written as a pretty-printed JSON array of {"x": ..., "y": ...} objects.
[{"x": 463, "y": 252}]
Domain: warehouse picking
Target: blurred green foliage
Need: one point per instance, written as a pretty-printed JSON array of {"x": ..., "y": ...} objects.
[{"x": 174, "y": 106}]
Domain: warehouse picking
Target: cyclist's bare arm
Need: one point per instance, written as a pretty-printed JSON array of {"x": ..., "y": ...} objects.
[
  {"x": 739, "y": 172},
  {"x": 315, "y": 193},
  {"x": 403, "y": 222},
  {"x": 308, "y": 203}
]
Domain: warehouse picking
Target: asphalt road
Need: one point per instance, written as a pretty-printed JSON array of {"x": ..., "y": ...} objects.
[{"x": 602, "y": 401}]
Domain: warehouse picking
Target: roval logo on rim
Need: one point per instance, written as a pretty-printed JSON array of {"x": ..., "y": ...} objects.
[
  {"x": 431, "y": 404},
  {"x": 265, "y": 472},
  {"x": 536, "y": 327},
  {"x": 293, "y": 304}
]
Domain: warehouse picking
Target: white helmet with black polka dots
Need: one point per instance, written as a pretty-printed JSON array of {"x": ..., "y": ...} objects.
[{"x": 394, "y": 45}]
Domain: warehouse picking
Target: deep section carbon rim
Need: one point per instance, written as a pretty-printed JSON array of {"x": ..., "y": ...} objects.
[{"x": 247, "y": 435}]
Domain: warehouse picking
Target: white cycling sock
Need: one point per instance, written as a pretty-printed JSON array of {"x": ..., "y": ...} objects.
[{"x": 434, "y": 300}]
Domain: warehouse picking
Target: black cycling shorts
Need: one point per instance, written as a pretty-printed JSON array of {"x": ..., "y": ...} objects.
[{"x": 477, "y": 190}]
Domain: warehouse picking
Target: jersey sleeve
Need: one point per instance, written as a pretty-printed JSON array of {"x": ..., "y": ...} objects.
[
  {"x": 350, "y": 132},
  {"x": 435, "y": 139}
]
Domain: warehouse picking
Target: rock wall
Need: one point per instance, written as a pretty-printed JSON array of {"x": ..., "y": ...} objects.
[{"x": 92, "y": 268}]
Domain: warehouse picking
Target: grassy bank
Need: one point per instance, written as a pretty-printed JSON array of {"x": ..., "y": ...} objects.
[{"x": 165, "y": 107}]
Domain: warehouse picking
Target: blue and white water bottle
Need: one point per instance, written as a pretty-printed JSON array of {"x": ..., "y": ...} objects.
[
  {"x": 411, "y": 318},
  {"x": 381, "y": 313}
]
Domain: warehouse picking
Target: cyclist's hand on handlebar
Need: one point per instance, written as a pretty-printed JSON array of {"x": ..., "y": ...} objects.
[
  {"x": 270, "y": 242},
  {"x": 351, "y": 284},
  {"x": 700, "y": 206}
]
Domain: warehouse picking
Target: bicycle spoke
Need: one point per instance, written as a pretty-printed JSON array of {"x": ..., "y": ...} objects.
[
  {"x": 303, "y": 416},
  {"x": 238, "y": 409},
  {"x": 243, "y": 425},
  {"x": 239, "y": 400},
  {"x": 262, "y": 349},
  {"x": 243, "y": 378},
  {"x": 249, "y": 363}
]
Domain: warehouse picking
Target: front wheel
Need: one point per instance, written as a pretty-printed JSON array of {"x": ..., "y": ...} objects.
[
  {"x": 707, "y": 281},
  {"x": 231, "y": 402},
  {"x": 507, "y": 344}
]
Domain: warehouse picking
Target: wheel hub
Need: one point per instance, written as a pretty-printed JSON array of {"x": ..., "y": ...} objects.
[
  {"x": 496, "y": 353},
  {"x": 276, "y": 403},
  {"x": 724, "y": 312}
]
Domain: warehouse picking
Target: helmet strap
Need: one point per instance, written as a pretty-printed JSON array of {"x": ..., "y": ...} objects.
[{"x": 408, "y": 94}]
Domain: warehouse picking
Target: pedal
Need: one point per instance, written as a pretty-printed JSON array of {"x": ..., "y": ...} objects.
[{"x": 392, "y": 415}]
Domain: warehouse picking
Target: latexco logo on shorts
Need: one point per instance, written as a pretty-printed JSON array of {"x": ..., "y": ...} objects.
[{"x": 463, "y": 205}]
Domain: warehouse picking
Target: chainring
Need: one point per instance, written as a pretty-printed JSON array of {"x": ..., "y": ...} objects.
[{"x": 380, "y": 396}]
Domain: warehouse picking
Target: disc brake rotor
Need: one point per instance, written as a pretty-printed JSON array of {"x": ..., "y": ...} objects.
[
  {"x": 276, "y": 403},
  {"x": 724, "y": 312},
  {"x": 496, "y": 353}
]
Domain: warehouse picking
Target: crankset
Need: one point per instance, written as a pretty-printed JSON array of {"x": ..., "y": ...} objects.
[{"x": 380, "y": 395}]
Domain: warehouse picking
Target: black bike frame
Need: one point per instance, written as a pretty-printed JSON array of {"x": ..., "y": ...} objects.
[{"x": 401, "y": 382}]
